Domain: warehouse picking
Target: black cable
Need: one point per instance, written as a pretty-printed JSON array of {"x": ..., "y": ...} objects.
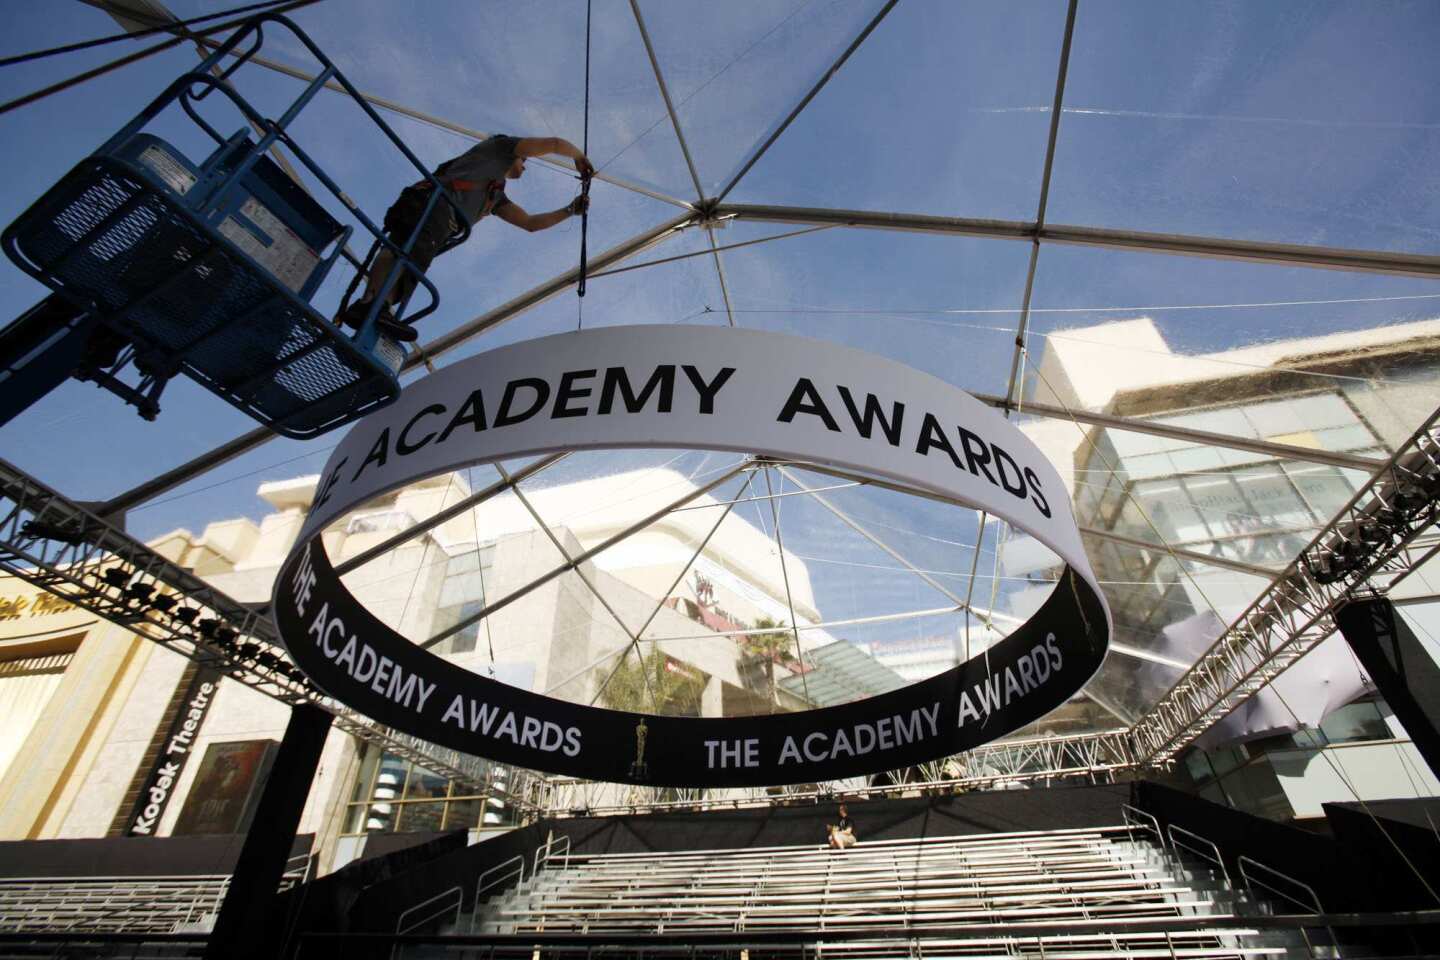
[
  {"x": 80, "y": 78},
  {"x": 129, "y": 35},
  {"x": 585, "y": 149}
]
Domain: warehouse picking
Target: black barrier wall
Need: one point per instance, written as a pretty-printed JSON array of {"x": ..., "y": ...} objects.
[
  {"x": 378, "y": 907},
  {"x": 1386, "y": 848},
  {"x": 130, "y": 856},
  {"x": 326, "y": 904},
  {"x": 1058, "y": 808},
  {"x": 1342, "y": 876}
]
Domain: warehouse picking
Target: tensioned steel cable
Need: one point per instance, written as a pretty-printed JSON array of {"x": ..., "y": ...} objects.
[
  {"x": 138, "y": 55},
  {"x": 584, "y": 181},
  {"x": 167, "y": 27}
]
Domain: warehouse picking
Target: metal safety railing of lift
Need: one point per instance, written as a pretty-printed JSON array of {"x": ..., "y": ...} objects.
[{"x": 275, "y": 131}]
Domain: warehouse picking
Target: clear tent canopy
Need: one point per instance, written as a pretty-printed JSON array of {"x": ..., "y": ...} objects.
[{"x": 1190, "y": 249}]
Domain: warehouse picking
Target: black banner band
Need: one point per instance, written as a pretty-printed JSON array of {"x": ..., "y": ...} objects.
[{"x": 360, "y": 661}]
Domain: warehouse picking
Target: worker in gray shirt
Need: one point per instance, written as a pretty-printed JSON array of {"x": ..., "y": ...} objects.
[{"x": 476, "y": 183}]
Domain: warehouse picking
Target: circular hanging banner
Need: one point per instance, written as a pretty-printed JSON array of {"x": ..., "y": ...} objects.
[{"x": 695, "y": 388}]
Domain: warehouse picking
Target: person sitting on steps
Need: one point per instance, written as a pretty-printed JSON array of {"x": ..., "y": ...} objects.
[
  {"x": 842, "y": 834},
  {"x": 476, "y": 180}
]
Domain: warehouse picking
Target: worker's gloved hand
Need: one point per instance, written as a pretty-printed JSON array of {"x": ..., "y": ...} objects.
[
  {"x": 579, "y": 205},
  {"x": 584, "y": 167}
]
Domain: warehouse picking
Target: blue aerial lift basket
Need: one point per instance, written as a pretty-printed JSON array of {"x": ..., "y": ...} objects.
[{"x": 209, "y": 270}]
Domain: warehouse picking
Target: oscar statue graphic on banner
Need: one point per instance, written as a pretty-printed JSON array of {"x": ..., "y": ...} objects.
[{"x": 639, "y": 770}]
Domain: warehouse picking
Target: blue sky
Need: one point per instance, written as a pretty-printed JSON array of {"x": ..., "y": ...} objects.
[{"x": 1310, "y": 124}]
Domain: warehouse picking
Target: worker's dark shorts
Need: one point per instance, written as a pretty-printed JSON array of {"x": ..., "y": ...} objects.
[{"x": 434, "y": 236}]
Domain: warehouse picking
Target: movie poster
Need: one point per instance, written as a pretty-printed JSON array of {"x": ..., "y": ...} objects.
[{"x": 226, "y": 787}]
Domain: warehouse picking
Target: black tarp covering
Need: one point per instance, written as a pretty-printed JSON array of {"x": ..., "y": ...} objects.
[
  {"x": 129, "y": 856},
  {"x": 1057, "y": 808}
]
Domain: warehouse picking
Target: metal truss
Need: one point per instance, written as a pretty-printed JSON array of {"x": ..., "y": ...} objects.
[
  {"x": 1094, "y": 757},
  {"x": 58, "y": 546},
  {"x": 1028, "y": 759},
  {"x": 1380, "y": 537}
]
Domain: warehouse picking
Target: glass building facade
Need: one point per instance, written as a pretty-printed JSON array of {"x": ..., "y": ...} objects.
[{"x": 394, "y": 795}]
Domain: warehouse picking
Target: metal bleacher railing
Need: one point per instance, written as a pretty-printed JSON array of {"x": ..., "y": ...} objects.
[
  {"x": 1067, "y": 874},
  {"x": 115, "y": 904},
  {"x": 108, "y": 904}
]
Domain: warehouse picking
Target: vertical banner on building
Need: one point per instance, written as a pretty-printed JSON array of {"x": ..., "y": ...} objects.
[{"x": 179, "y": 743}]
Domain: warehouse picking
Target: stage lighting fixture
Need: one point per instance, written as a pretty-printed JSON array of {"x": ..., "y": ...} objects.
[
  {"x": 1351, "y": 551},
  {"x": 225, "y": 635},
  {"x": 116, "y": 577},
  {"x": 1408, "y": 497},
  {"x": 207, "y": 627},
  {"x": 1391, "y": 518},
  {"x": 62, "y": 531},
  {"x": 1371, "y": 531},
  {"x": 140, "y": 592},
  {"x": 1324, "y": 568},
  {"x": 186, "y": 615},
  {"x": 164, "y": 602}
]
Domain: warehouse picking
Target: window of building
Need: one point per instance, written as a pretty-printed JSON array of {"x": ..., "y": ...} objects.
[
  {"x": 1355, "y": 722},
  {"x": 1230, "y": 503},
  {"x": 393, "y": 795},
  {"x": 26, "y": 686},
  {"x": 462, "y": 595},
  {"x": 380, "y": 521}
]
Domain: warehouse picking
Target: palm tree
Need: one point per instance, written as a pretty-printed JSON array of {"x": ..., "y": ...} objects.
[
  {"x": 676, "y": 692},
  {"x": 769, "y": 647}
]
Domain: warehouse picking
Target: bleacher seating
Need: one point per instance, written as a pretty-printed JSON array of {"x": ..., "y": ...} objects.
[
  {"x": 135, "y": 904},
  {"x": 108, "y": 904},
  {"x": 1056, "y": 878}
]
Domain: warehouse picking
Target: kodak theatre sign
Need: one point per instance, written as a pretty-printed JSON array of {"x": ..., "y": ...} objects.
[{"x": 696, "y": 389}]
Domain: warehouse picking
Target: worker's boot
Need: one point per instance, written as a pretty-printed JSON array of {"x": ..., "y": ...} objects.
[{"x": 354, "y": 316}]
